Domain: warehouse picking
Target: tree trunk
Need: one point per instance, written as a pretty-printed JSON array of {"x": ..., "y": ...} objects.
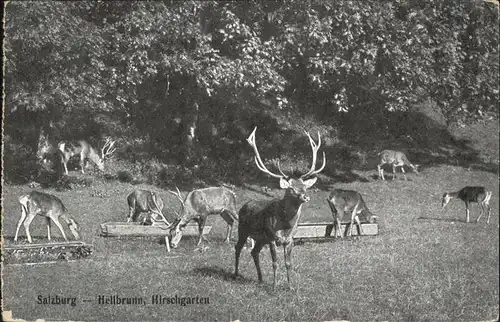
[{"x": 191, "y": 128}]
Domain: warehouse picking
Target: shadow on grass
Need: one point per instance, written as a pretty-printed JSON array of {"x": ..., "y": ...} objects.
[
  {"x": 220, "y": 273},
  {"x": 441, "y": 219}
]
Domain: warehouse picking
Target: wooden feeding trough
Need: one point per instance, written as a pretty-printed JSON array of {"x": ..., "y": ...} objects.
[
  {"x": 325, "y": 230},
  {"x": 28, "y": 253},
  {"x": 136, "y": 229}
]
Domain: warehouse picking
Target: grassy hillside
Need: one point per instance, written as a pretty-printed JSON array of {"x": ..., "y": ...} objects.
[{"x": 425, "y": 264}]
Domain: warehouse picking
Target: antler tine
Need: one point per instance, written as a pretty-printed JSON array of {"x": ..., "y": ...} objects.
[
  {"x": 108, "y": 149},
  {"x": 258, "y": 160},
  {"x": 315, "y": 147},
  {"x": 279, "y": 169},
  {"x": 158, "y": 210},
  {"x": 178, "y": 195}
]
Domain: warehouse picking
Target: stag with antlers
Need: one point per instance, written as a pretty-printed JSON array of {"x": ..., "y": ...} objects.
[
  {"x": 82, "y": 148},
  {"x": 274, "y": 222}
]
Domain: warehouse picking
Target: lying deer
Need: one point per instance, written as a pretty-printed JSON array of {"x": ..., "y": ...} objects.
[
  {"x": 145, "y": 201},
  {"x": 201, "y": 203},
  {"x": 468, "y": 195},
  {"x": 48, "y": 206},
  {"x": 82, "y": 148},
  {"x": 396, "y": 159},
  {"x": 348, "y": 201},
  {"x": 274, "y": 222}
]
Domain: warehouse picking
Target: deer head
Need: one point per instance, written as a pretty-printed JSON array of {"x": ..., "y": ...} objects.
[{"x": 176, "y": 232}]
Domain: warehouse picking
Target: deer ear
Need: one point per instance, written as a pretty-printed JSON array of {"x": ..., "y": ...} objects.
[
  {"x": 284, "y": 184},
  {"x": 310, "y": 182}
]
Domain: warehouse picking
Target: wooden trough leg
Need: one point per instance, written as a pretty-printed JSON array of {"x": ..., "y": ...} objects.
[{"x": 167, "y": 243}]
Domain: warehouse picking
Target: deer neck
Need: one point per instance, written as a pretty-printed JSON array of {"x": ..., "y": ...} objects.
[
  {"x": 188, "y": 214},
  {"x": 65, "y": 218},
  {"x": 290, "y": 210},
  {"x": 92, "y": 155}
]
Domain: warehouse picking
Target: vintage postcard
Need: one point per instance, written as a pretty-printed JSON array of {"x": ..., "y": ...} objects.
[{"x": 250, "y": 161}]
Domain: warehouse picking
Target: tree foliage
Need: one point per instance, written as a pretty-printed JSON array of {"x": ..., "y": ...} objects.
[{"x": 166, "y": 68}]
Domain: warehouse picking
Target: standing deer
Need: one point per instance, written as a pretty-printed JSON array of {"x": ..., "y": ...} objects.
[
  {"x": 85, "y": 151},
  {"x": 201, "y": 203},
  {"x": 274, "y": 222},
  {"x": 46, "y": 148},
  {"x": 396, "y": 159},
  {"x": 145, "y": 201},
  {"x": 468, "y": 195},
  {"x": 348, "y": 201},
  {"x": 48, "y": 206}
]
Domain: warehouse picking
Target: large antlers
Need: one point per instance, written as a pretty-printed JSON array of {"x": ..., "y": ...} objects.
[
  {"x": 179, "y": 196},
  {"x": 315, "y": 147},
  {"x": 258, "y": 160},
  {"x": 158, "y": 210},
  {"x": 108, "y": 149}
]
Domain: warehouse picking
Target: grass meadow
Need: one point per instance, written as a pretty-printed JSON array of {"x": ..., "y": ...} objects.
[{"x": 425, "y": 265}]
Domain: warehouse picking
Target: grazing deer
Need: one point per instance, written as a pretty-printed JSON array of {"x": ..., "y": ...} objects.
[
  {"x": 85, "y": 151},
  {"x": 342, "y": 201},
  {"x": 49, "y": 206},
  {"x": 46, "y": 148},
  {"x": 396, "y": 159},
  {"x": 201, "y": 203},
  {"x": 274, "y": 222},
  {"x": 145, "y": 201},
  {"x": 468, "y": 195}
]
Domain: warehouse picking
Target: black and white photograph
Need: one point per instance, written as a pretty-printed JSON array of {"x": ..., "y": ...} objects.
[{"x": 293, "y": 160}]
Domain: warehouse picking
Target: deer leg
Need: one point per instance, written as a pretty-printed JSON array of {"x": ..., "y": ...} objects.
[
  {"x": 242, "y": 238},
  {"x": 229, "y": 220},
  {"x": 353, "y": 215},
  {"x": 380, "y": 171},
  {"x": 47, "y": 219},
  {"x": 27, "y": 223},
  {"x": 338, "y": 229},
  {"x": 82, "y": 162},
  {"x": 481, "y": 211},
  {"x": 335, "y": 216},
  {"x": 340, "y": 215},
  {"x": 255, "y": 254},
  {"x": 58, "y": 224},
  {"x": 393, "y": 171},
  {"x": 359, "y": 225},
  {"x": 288, "y": 261},
  {"x": 489, "y": 213},
  {"x": 201, "y": 225},
  {"x": 21, "y": 220},
  {"x": 135, "y": 215},
  {"x": 131, "y": 213},
  {"x": 65, "y": 166},
  {"x": 467, "y": 212},
  {"x": 404, "y": 174},
  {"x": 274, "y": 258}
]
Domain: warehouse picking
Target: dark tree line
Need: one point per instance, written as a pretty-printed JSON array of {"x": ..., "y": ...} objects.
[{"x": 184, "y": 74}]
